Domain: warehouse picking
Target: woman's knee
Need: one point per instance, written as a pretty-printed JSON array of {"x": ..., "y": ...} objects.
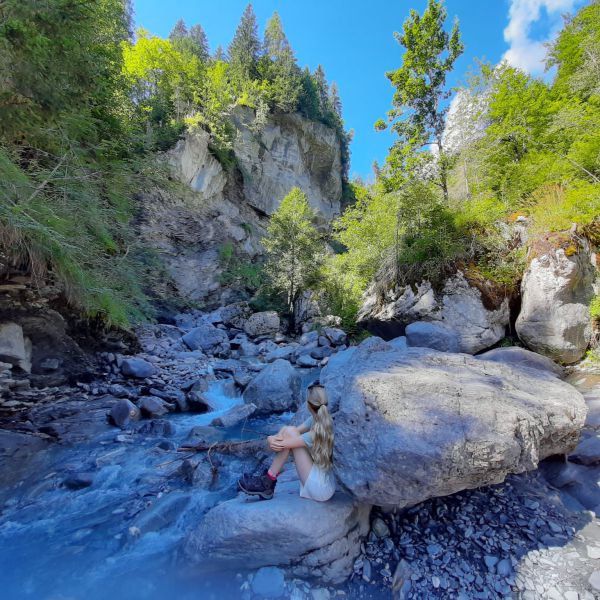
[{"x": 289, "y": 430}]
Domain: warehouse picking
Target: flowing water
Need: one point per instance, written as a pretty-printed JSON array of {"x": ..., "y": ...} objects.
[{"x": 117, "y": 538}]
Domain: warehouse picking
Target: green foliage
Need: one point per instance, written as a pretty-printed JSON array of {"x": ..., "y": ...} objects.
[
  {"x": 239, "y": 272},
  {"x": 294, "y": 248},
  {"x": 595, "y": 308},
  {"x": 244, "y": 48},
  {"x": 418, "y": 113}
]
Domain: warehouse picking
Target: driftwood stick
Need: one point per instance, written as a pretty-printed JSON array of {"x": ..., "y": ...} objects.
[{"x": 243, "y": 448}]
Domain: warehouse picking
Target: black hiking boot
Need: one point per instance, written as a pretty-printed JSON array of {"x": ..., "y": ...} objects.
[{"x": 257, "y": 485}]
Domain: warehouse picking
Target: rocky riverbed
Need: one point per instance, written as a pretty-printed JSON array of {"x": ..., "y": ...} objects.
[{"x": 96, "y": 501}]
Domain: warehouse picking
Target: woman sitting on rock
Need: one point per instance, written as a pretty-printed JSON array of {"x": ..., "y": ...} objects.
[{"x": 312, "y": 447}]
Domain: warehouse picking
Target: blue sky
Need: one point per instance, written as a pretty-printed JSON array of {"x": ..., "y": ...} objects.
[{"x": 353, "y": 40}]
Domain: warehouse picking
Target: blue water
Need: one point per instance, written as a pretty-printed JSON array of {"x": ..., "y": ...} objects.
[{"x": 60, "y": 544}]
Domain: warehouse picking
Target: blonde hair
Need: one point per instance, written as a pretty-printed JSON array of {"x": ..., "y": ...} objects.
[{"x": 322, "y": 447}]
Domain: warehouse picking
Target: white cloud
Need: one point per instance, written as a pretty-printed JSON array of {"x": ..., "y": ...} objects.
[{"x": 524, "y": 52}]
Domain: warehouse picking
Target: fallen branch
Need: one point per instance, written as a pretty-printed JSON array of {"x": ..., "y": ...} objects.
[{"x": 243, "y": 448}]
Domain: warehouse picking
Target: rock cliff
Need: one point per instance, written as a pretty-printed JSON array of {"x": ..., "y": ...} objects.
[{"x": 212, "y": 209}]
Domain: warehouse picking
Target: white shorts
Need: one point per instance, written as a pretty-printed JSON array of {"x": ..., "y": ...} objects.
[{"x": 319, "y": 486}]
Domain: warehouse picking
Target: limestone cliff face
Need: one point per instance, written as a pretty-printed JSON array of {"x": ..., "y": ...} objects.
[
  {"x": 290, "y": 151},
  {"x": 216, "y": 209}
]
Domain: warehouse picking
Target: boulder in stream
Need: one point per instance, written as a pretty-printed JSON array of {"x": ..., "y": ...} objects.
[
  {"x": 123, "y": 412},
  {"x": 312, "y": 539},
  {"x": 414, "y": 423},
  {"x": 275, "y": 389}
]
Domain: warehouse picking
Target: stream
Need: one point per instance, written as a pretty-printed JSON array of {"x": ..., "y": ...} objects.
[{"x": 118, "y": 537}]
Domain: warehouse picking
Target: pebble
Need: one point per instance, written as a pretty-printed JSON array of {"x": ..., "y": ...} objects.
[
  {"x": 269, "y": 582},
  {"x": 366, "y": 570},
  {"x": 594, "y": 580}
]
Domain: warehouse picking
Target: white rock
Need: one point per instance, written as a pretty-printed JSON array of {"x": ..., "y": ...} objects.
[{"x": 555, "y": 318}]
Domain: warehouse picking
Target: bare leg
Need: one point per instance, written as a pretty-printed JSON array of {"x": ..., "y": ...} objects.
[
  {"x": 304, "y": 463},
  {"x": 278, "y": 462}
]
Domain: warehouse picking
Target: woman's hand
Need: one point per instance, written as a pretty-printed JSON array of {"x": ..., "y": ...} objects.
[{"x": 276, "y": 442}]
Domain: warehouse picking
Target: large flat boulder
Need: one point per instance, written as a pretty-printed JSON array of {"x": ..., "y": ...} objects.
[
  {"x": 275, "y": 389},
  {"x": 557, "y": 290},
  {"x": 414, "y": 423},
  {"x": 312, "y": 539}
]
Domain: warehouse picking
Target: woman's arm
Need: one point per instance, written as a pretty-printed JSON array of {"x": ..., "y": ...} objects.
[{"x": 287, "y": 439}]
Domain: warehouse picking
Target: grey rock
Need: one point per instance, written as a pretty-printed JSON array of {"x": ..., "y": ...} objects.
[
  {"x": 556, "y": 294},
  {"x": 50, "y": 364},
  {"x": 235, "y": 315},
  {"x": 79, "y": 481},
  {"x": 380, "y": 528},
  {"x": 157, "y": 427},
  {"x": 242, "y": 533},
  {"x": 15, "y": 348},
  {"x": 306, "y": 361},
  {"x": 322, "y": 352},
  {"x": 522, "y": 358},
  {"x": 588, "y": 451},
  {"x": 275, "y": 389},
  {"x": 459, "y": 305},
  {"x": 460, "y": 422},
  {"x": 209, "y": 339},
  {"x": 269, "y": 582},
  {"x": 309, "y": 337},
  {"x": 123, "y": 412},
  {"x": 336, "y": 336},
  {"x": 152, "y": 406},
  {"x": 163, "y": 513},
  {"x": 262, "y": 323},
  {"x": 504, "y": 567},
  {"x": 234, "y": 415},
  {"x": 366, "y": 571},
  {"x": 594, "y": 580},
  {"x": 284, "y": 352},
  {"x": 432, "y": 335},
  {"x": 137, "y": 367}
]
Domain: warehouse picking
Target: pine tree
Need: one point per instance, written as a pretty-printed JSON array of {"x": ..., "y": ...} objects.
[
  {"x": 322, "y": 91},
  {"x": 219, "y": 54},
  {"x": 245, "y": 47},
  {"x": 178, "y": 32},
  {"x": 276, "y": 45},
  {"x": 335, "y": 100},
  {"x": 199, "y": 42}
]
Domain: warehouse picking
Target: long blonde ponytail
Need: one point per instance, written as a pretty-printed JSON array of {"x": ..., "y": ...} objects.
[{"x": 322, "y": 447}]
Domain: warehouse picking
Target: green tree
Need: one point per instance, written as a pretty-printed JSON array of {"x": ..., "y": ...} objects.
[
  {"x": 245, "y": 47},
  {"x": 334, "y": 99},
  {"x": 278, "y": 66},
  {"x": 162, "y": 81},
  {"x": 294, "y": 248},
  {"x": 276, "y": 45},
  {"x": 179, "y": 31},
  {"x": 418, "y": 112},
  {"x": 199, "y": 42}
]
